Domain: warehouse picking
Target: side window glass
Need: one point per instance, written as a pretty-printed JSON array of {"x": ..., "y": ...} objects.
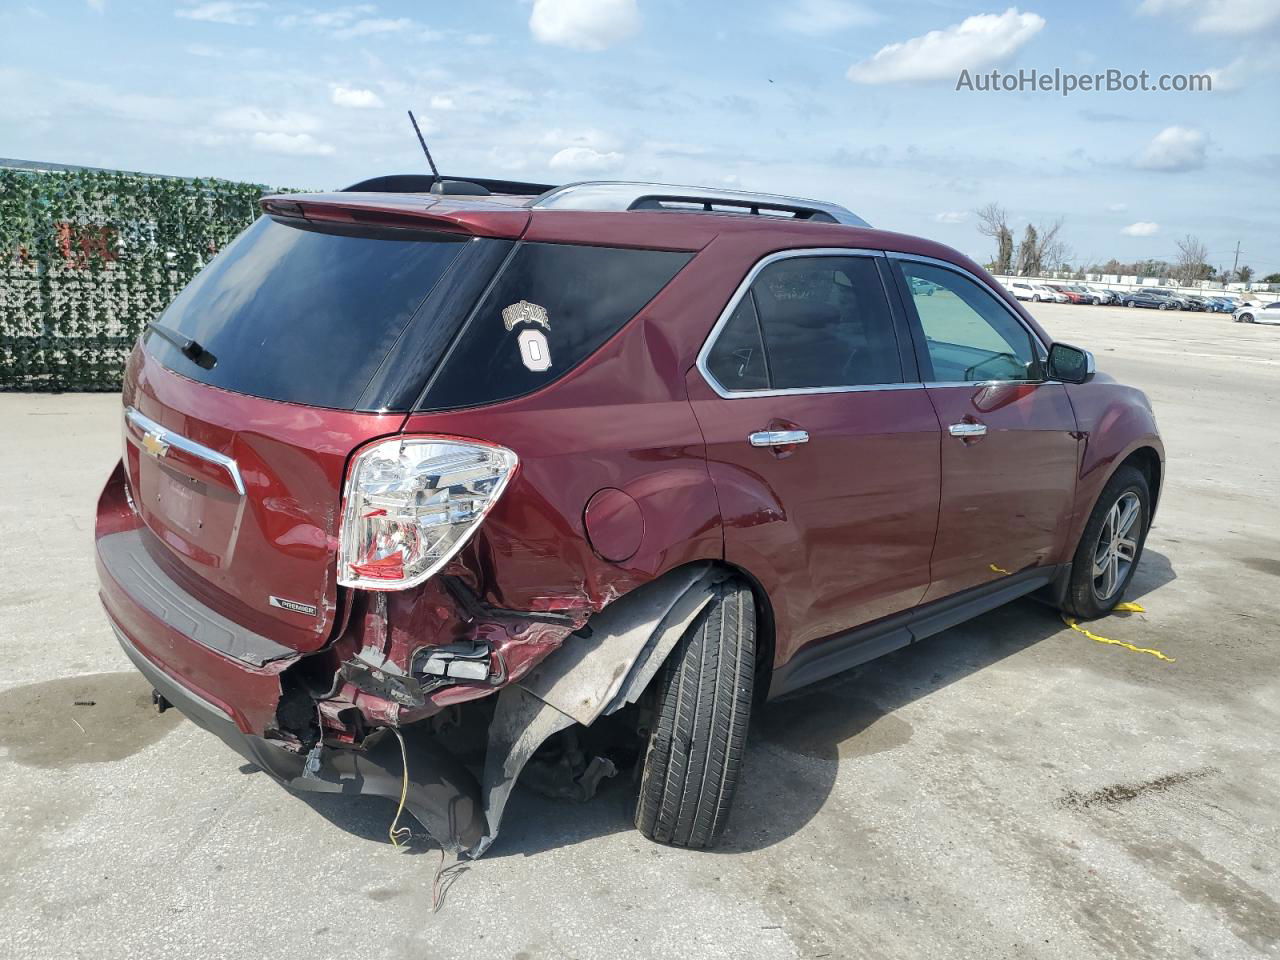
[
  {"x": 823, "y": 322},
  {"x": 826, "y": 323},
  {"x": 736, "y": 359},
  {"x": 970, "y": 336}
]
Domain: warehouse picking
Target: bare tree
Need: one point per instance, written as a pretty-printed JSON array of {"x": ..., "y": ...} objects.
[
  {"x": 1190, "y": 265},
  {"x": 1053, "y": 251},
  {"x": 993, "y": 221},
  {"x": 1244, "y": 274},
  {"x": 1029, "y": 253}
]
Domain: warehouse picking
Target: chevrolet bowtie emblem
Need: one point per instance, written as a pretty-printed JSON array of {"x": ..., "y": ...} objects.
[{"x": 155, "y": 444}]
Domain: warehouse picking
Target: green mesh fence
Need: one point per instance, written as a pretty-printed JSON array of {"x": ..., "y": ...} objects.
[{"x": 89, "y": 257}]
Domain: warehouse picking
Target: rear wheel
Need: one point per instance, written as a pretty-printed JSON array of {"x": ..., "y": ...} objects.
[
  {"x": 694, "y": 757},
  {"x": 1111, "y": 546},
  {"x": 1246, "y": 318}
]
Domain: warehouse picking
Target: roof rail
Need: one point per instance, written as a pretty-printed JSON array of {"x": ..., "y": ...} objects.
[
  {"x": 424, "y": 183},
  {"x": 606, "y": 195}
]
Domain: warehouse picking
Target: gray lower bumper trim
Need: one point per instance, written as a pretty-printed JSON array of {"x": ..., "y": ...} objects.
[{"x": 125, "y": 555}]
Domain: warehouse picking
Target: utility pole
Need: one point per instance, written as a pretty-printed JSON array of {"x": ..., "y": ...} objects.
[{"x": 1236, "y": 262}]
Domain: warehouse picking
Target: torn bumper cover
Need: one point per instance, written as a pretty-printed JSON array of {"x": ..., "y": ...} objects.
[
  {"x": 442, "y": 794},
  {"x": 577, "y": 677},
  {"x": 596, "y": 671}
]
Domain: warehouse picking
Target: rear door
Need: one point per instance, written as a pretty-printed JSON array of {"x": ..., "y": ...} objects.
[
  {"x": 822, "y": 444},
  {"x": 1009, "y": 447},
  {"x": 315, "y": 341}
]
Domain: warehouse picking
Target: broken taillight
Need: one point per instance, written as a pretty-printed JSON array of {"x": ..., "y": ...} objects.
[{"x": 411, "y": 503}]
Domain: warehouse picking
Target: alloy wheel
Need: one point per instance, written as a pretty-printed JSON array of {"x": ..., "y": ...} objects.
[{"x": 1117, "y": 546}]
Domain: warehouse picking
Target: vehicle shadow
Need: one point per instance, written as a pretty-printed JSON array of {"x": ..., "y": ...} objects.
[{"x": 797, "y": 742}]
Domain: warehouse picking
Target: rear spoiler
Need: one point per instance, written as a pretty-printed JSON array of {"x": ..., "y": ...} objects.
[
  {"x": 470, "y": 216},
  {"x": 423, "y": 183}
]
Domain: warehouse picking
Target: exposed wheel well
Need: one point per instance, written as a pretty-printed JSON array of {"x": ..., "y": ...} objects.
[{"x": 1148, "y": 461}]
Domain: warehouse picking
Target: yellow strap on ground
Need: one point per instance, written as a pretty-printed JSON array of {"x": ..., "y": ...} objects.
[
  {"x": 995, "y": 569},
  {"x": 1071, "y": 622},
  {"x": 1129, "y": 608}
]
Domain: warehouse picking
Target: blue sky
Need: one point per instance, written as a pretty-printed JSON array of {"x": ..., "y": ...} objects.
[{"x": 849, "y": 101}]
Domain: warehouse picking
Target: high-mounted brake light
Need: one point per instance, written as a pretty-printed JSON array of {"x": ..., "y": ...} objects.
[{"x": 410, "y": 505}]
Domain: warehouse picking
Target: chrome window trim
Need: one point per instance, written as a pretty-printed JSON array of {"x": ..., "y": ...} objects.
[
  {"x": 948, "y": 265},
  {"x": 186, "y": 445},
  {"x": 741, "y": 291}
]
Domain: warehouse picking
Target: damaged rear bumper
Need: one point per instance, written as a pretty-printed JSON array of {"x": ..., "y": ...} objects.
[{"x": 441, "y": 793}]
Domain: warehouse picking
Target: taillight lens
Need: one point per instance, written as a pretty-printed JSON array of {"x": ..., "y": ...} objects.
[{"x": 410, "y": 505}]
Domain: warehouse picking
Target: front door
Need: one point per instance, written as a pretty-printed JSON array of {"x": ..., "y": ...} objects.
[
  {"x": 822, "y": 443},
  {"x": 1009, "y": 447}
]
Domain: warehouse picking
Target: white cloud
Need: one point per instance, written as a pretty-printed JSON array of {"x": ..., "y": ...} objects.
[
  {"x": 1117, "y": 207},
  {"x": 590, "y": 137},
  {"x": 584, "y": 24},
  {"x": 223, "y": 11},
  {"x": 365, "y": 28},
  {"x": 1260, "y": 61},
  {"x": 1174, "y": 150},
  {"x": 440, "y": 102},
  {"x": 951, "y": 216},
  {"x": 976, "y": 42},
  {"x": 294, "y": 144},
  {"x": 586, "y": 160},
  {"x": 1218, "y": 16},
  {"x": 326, "y": 19},
  {"x": 255, "y": 119},
  {"x": 817, "y": 18},
  {"x": 1143, "y": 228},
  {"x": 355, "y": 97}
]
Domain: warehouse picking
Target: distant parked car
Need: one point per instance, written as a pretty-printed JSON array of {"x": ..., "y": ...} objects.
[
  {"x": 1176, "y": 300},
  {"x": 1021, "y": 289},
  {"x": 1194, "y": 302},
  {"x": 1267, "y": 313},
  {"x": 1146, "y": 298},
  {"x": 1072, "y": 295},
  {"x": 1088, "y": 293},
  {"x": 922, "y": 287},
  {"x": 1105, "y": 295},
  {"x": 1042, "y": 291}
]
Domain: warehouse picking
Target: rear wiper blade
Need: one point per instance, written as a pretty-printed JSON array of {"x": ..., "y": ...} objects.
[{"x": 189, "y": 348}]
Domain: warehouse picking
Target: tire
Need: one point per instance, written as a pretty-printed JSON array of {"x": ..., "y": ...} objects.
[
  {"x": 1164, "y": 306},
  {"x": 1128, "y": 303},
  {"x": 694, "y": 757},
  {"x": 1086, "y": 598},
  {"x": 1036, "y": 298},
  {"x": 1246, "y": 318}
]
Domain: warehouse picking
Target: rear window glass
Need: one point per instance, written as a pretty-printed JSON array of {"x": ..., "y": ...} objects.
[
  {"x": 301, "y": 315},
  {"x": 550, "y": 308}
]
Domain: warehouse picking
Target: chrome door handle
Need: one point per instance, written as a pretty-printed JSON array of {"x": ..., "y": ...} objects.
[
  {"x": 778, "y": 438},
  {"x": 967, "y": 429}
]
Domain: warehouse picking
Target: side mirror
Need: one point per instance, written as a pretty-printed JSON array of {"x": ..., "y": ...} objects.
[{"x": 1070, "y": 364}]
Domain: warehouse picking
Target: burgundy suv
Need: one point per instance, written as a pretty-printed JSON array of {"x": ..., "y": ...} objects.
[{"x": 585, "y": 471}]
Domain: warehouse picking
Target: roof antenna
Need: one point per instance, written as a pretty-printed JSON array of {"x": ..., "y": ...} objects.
[{"x": 434, "y": 172}]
